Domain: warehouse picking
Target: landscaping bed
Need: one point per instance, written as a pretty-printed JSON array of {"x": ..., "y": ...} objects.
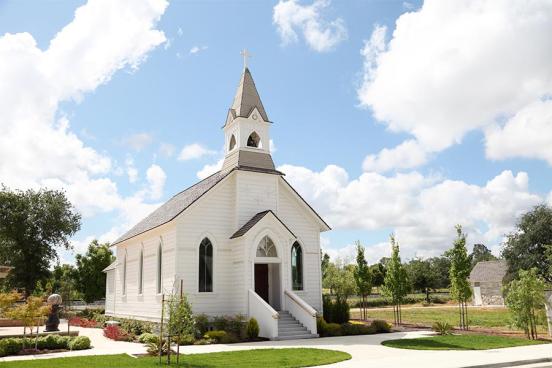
[
  {"x": 267, "y": 358},
  {"x": 41, "y": 345},
  {"x": 461, "y": 342}
]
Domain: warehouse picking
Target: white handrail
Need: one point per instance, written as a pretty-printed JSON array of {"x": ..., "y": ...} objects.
[
  {"x": 265, "y": 315},
  {"x": 302, "y": 311}
]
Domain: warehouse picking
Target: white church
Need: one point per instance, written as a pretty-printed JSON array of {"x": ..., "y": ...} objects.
[{"x": 241, "y": 241}]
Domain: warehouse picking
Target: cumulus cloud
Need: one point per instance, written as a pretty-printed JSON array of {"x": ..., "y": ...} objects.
[
  {"x": 194, "y": 151},
  {"x": 456, "y": 66},
  {"x": 37, "y": 146},
  {"x": 197, "y": 49},
  {"x": 156, "y": 179},
  {"x": 210, "y": 169},
  {"x": 421, "y": 210},
  {"x": 406, "y": 155},
  {"x": 321, "y": 35},
  {"x": 167, "y": 149}
]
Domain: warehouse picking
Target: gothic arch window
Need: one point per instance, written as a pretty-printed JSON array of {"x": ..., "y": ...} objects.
[
  {"x": 296, "y": 266},
  {"x": 205, "y": 266},
  {"x": 254, "y": 140},
  {"x": 159, "y": 267},
  {"x": 141, "y": 271},
  {"x": 232, "y": 143},
  {"x": 124, "y": 273},
  {"x": 266, "y": 248}
]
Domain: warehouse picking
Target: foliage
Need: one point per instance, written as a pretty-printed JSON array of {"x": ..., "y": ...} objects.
[
  {"x": 64, "y": 282},
  {"x": 350, "y": 328},
  {"x": 460, "y": 342},
  {"x": 90, "y": 266},
  {"x": 153, "y": 347},
  {"x": 377, "y": 271},
  {"x": 33, "y": 225},
  {"x": 336, "y": 311},
  {"x": 460, "y": 268},
  {"x": 7, "y": 301},
  {"x": 90, "y": 312},
  {"x": 363, "y": 277},
  {"x": 440, "y": 268},
  {"x": 217, "y": 335},
  {"x": 181, "y": 321},
  {"x": 525, "y": 297},
  {"x": 202, "y": 324},
  {"x": 116, "y": 333},
  {"x": 324, "y": 263},
  {"x": 381, "y": 326},
  {"x": 79, "y": 343},
  {"x": 134, "y": 326},
  {"x": 340, "y": 279},
  {"x": 147, "y": 337},
  {"x": 408, "y": 299},
  {"x": 83, "y": 322},
  {"x": 31, "y": 313},
  {"x": 252, "y": 328},
  {"x": 52, "y": 342},
  {"x": 442, "y": 328},
  {"x": 395, "y": 285},
  {"x": 480, "y": 253},
  {"x": 528, "y": 246}
]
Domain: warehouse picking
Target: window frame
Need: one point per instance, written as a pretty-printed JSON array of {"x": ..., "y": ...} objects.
[
  {"x": 299, "y": 265},
  {"x": 202, "y": 285}
]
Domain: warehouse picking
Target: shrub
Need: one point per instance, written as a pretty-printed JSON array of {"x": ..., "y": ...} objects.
[
  {"x": 52, "y": 342},
  {"x": 82, "y": 322},
  {"x": 89, "y": 313},
  {"x": 202, "y": 324},
  {"x": 442, "y": 328},
  {"x": 235, "y": 325},
  {"x": 252, "y": 328},
  {"x": 153, "y": 348},
  {"x": 220, "y": 323},
  {"x": 134, "y": 326},
  {"x": 10, "y": 346},
  {"x": 216, "y": 335},
  {"x": 101, "y": 319},
  {"x": 116, "y": 333},
  {"x": 335, "y": 311},
  {"x": 348, "y": 329},
  {"x": 380, "y": 326},
  {"x": 79, "y": 343},
  {"x": 147, "y": 337}
]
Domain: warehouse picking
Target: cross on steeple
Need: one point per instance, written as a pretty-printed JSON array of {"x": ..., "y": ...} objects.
[{"x": 245, "y": 55}]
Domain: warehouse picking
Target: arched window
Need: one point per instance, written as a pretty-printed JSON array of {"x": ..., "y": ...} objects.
[
  {"x": 266, "y": 248},
  {"x": 125, "y": 273},
  {"x": 205, "y": 266},
  {"x": 159, "y": 267},
  {"x": 254, "y": 140},
  {"x": 296, "y": 267},
  {"x": 232, "y": 144},
  {"x": 141, "y": 271}
]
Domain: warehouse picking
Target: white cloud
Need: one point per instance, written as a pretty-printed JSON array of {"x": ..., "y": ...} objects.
[
  {"x": 421, "y": 210},
  {"x": 406, "y": 155},
  {"x": 167, "y": 149},
  {"x": 37, "y": 147},
  {"x": 197, "y": 49},
  {"x": 272, "y": 146},
  {"x": 320, "y": 34},
  {"x": 138, "y": 141},
  {"x": 456, "y": 66},
  {"x": 194, "y": 151},
  {"x": 131, "y": 170},
  {"x": 156, "y": 178},
  {"x": 210, "y": 169}
]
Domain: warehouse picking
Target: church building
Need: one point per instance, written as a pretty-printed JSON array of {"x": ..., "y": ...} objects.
[{"x": 241, "y": 241}]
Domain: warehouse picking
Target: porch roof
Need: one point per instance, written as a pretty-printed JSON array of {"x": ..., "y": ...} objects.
[{"x": 254, "y": 220}]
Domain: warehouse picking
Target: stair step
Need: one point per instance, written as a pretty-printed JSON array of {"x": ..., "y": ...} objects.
[
  {"x": 297, "y": 337},
  {"x": 287, "y": 328},
  {"x": 293, "y": 333}
]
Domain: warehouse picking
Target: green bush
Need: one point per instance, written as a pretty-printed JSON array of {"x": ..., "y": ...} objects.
[
  {"x": 442, "y": 328},
  {"x": 379, "y": 301},
  {"x": 252, "y": 329},
  {"x": 216, "y": 335},
  {"x": 134, "y": 326},
  {"x": 348, "y": 329},
  {"x": 202, "y": 324},
  {"x": 335, "y": 311},
  {"x": 89, "y": 313},
  {"x": 79, "y": 343},
  {"x": 10, "y": 346},
  {"x": 148, "y": 337},
  {"x": 220, "y": 323},
  {"x": 100, "y": 318},
  {"x": 236, "y": 325},
  {"x": 52, "y": 342},
  {"x": 380, "y": 326}
]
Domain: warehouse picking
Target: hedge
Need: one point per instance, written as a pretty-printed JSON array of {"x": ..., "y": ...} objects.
[{"x": 12, "y": 346}]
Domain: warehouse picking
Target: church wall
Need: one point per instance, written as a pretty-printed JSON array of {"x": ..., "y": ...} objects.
[
  {"x": 256, "y": 192},
  {"x": 213, "y": 217},
  {"x": 148, "y": 304}
]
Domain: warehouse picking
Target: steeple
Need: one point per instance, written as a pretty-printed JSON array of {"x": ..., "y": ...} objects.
[
  {"x": 246, "y": 99},
  {"x": 246, "y": 130}
]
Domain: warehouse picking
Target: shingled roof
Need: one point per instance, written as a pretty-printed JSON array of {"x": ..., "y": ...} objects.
[
  {"x": 489, "y": 271},
  {"x": 174, "y": 206},
  {"x": 247, "y": 98},
  {"x": 254, "y": 220}
]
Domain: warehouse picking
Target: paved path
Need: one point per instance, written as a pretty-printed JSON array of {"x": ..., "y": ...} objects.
[{"x": 366, "y": 351}]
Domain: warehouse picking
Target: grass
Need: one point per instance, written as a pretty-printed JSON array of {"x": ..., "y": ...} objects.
[
  {"x": 460, "y": 342},
  {"x": 478, "y": 317},
  {"x": 266, "y": 358}
]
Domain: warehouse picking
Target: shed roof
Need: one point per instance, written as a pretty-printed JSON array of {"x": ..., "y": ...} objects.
[{"x": 489, "y": 271}]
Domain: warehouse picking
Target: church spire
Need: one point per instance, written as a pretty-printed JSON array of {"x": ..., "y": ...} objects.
[{"x": 246, "y": 99}]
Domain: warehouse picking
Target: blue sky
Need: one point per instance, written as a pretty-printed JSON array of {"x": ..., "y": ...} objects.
[{"x": 173, "y": 91}]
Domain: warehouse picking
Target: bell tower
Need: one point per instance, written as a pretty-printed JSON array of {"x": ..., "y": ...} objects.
[{"x": 247, "y": 129}]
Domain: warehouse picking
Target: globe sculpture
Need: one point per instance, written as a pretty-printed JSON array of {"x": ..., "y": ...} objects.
[{"x": 52, "y": 323}]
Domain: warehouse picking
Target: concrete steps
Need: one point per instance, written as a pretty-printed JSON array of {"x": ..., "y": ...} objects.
[{"x": 291, "y": 329}]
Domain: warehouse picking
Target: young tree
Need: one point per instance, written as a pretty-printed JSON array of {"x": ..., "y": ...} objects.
[
  {"x": 90, "y": 266},
  {"x": 480, "y": 253},
  {"x": 527, "y": 247},
  {"x": 33, "y": 225},
  {"x": 395, "y": 285},
  {"x": 459, "y": 272},
  {"x": 324, "y": 263},
  {"x": 363, "y": 278},
  {"x": 7, "y": 301},
  {"x": 524, "y": 298}
]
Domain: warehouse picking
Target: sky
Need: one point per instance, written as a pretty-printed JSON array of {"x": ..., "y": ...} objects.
[{"x": 389, "y": 116}]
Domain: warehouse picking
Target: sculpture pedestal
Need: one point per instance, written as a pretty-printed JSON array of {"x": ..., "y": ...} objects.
[{"x": 52, "y": 323}]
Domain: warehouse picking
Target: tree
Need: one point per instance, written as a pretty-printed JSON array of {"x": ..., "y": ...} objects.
[
  {"x": 363, "y": 278},
  {"x": 527, "y": 247},
  {"x": 64, "y": 282},
  {"x": 524, "y": 298},
  {"x": 33, "y": 225},
  {"x": 440, "y": 268},
  {"x": 459, "y": 272},
  {"x": 480, "y": 253},
  {"x": 378, "y": 274},
  {"x": 421, "y": 276},
  {"x": 7, "y": 301},
  {"x": 324, "y": 263},
  {"x": 90, "y": 266},
  {"x": 395, "y": 285}
]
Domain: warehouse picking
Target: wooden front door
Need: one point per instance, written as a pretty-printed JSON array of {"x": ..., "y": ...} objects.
[{"x": 261, "y": 281}]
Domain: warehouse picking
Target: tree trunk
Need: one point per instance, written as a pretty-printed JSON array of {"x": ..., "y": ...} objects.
[{"x": 427, "y": 295}]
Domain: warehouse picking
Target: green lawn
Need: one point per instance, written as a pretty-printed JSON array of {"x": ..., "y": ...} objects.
[
  {"x": 266, "y": 358},
  {"x": 460, "y": 342},
  {"x": 481, "y": 317}
]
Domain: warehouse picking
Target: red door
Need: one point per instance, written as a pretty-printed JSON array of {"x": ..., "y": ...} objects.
[{"x": 261, "y": 281}]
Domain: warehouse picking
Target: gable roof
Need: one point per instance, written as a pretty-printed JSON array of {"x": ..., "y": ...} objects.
[
  {"x": 489, "y": 271},
  {"x": 247, "y": 98},
  {"x": 112, "y": 266},
  {"x": 174, "y": 206},
  {"x": 254, "y": 220},
  {"x": 321, "y": 220}
]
